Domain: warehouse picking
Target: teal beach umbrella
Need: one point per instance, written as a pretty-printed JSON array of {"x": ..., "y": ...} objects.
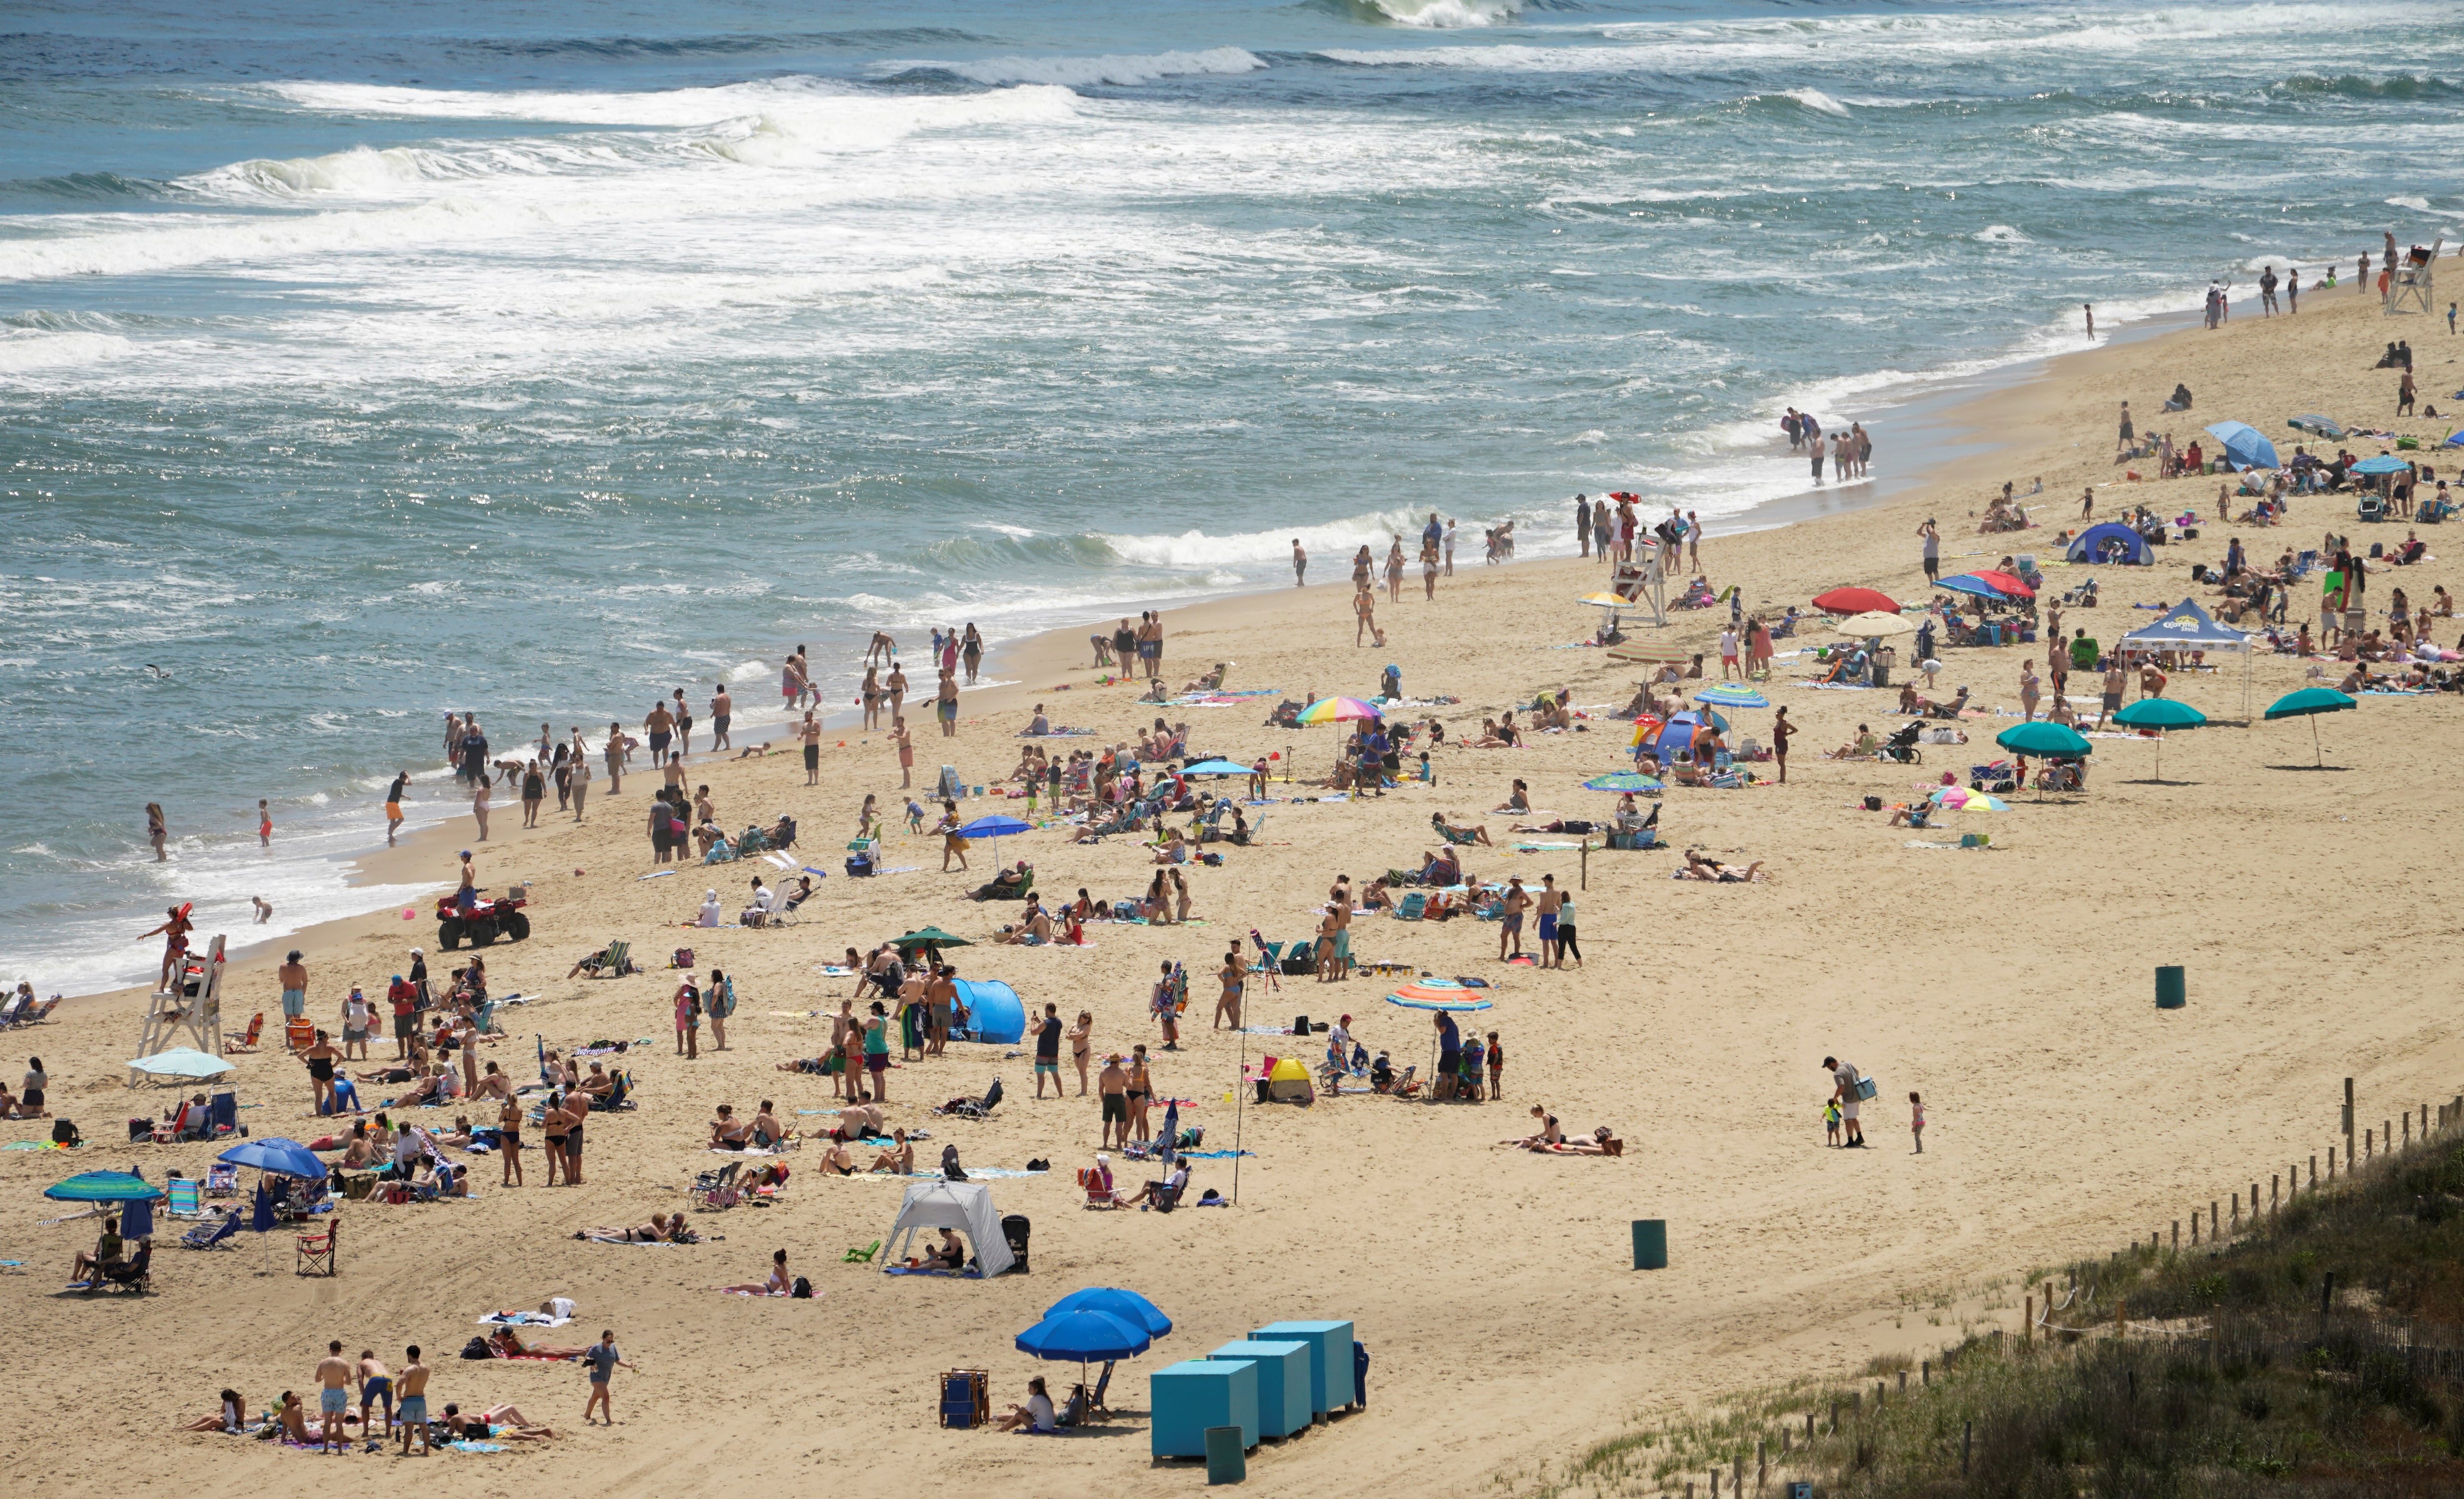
[
  {"x": 2159, "y": 713},
  {"x": 2308, "y": 703}
]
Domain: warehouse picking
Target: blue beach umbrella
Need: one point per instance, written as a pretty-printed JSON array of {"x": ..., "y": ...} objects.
[
  {"x": 136, "y": 1218},
  {"x": 1084, "y": 1334},
  {"x": 1217, "y": 766},
  {"x": 1127, "y": 1304},
  {"x": 2244, "y": 445},
  {"x": 2383, "y": 463},
  {"x": 283, "y": 1157},
  {"x": 1970, "y": 583},
  {"x": 997, "y": 826},
  {"x": 260, "y": 1213},
  {"x": 1730, "y": 694}
]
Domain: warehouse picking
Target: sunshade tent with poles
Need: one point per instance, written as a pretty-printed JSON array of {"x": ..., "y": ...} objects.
[
  {"x": 2159, "y": 713},
  {"x": 2308, "y": 703}
]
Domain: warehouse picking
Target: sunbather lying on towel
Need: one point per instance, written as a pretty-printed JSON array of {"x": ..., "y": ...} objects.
[
  {"x": 1455, "y": 833},
  {"x": 505, "y": 1343},
  {"x": 662, "y": 1228},
  {"x": 1698, "y": 868},
  {"x": 1600, "y": 1142},
  {"x": 497, "y": 1423}
]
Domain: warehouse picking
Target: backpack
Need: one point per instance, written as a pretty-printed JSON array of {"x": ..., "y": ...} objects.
[
  {"x": 477, "y": 1348},
  {"x": 950, "y": 1170},
  {"x": 802, "y": 1290},
  {"x": 64, "y": 1132}
]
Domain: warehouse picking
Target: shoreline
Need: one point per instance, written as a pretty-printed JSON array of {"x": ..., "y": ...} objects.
[{"x": 1957, "y": 414}]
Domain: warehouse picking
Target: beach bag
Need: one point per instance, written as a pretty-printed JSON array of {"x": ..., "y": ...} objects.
[
  {"x": 802, "y": 1290},
  {"x": 949, "y": 1169},
  {"x": 477, "y": 1348},
  {"x": 682, "y": 958},
  {"x": 64, "y": 1132}
]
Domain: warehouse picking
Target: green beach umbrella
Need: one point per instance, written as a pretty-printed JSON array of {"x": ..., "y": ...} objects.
[
  {"x": 2308, "y": 703},
  {"x": 1621, "y": 780},
  {"x": 930, "y": 936},
  {"x": 103, "y": 1186},
  {"x": 2159, "y": 713},
  {"x": 2043, "y": 738}
]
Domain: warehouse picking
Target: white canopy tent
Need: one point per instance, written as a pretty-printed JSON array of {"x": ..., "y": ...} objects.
[{"x": 966, "y": 1206}]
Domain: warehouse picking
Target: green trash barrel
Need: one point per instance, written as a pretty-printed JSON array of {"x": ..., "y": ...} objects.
[
  {"x": 1228, "y": 1462},
  {"x": 1651, "y": 1244},
  {"x": 2170, "y": 991}
]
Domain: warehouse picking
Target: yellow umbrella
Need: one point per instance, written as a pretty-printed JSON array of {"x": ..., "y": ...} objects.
[
  {"x": 1873, "y": 624},
  {"x": 1606, "y": 601}
]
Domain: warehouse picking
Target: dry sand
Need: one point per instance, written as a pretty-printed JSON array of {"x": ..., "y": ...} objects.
[{"x": 1492, "y": 1287}]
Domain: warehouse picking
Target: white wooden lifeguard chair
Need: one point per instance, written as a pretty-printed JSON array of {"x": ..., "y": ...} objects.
[
  {"x": 2411, "y": 285},
  {"x": 191, "y": 1008}
]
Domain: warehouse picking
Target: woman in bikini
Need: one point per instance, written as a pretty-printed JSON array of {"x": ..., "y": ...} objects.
[
  {"x": 553, "y": 1120},
  {"x": 1234, "y": 977},
  {"x": 1141, "y": 1089},
  {"x": 662, "y": 1228},
  {"x": 777, "y": 1284}
]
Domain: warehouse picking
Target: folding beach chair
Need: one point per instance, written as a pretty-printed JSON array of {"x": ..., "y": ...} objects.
[
  {"x": 247, "y": 1041},
  {"x": 863, "y": 1256},
  {"x": 12, "y": 1011},
  {"x": 213, "y": 1233},
  {"x": 715, "y": 1192},
  {"x": 320, "y": 1250},
  {"x": 1243, "y": 838},
  {"x": 222, "y": 1177},
  {"x": 1413, "y": 907},
  {"x": 184, "y": 1202}
]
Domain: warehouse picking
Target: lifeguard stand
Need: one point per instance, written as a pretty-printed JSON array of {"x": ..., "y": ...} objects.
[
  {"x": 191, "y": 1009},
  {"x": 1644, "y": 582},
  {"x": 2409, "y": 284}
]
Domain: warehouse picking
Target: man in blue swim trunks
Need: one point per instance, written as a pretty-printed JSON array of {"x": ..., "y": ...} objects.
[
  {"x": 376, "y": 1384},
  {"x": 412, "y": 1413},
  {"x": 334, "y": 1396}
]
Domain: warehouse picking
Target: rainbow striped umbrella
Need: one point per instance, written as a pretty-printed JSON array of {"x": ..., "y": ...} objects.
[{"x": 1337, "y": 710}]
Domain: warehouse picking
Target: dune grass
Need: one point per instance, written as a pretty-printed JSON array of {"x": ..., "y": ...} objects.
[{"x": 2318, "y": 1351}]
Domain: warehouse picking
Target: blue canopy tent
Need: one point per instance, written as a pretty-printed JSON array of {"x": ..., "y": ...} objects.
[
  {"x": 2187, "y": 626},
  {"x": 2110, "y": 541},
  {"x": 995, "y": 1012},
  {"x": 2245, "y": 447}
]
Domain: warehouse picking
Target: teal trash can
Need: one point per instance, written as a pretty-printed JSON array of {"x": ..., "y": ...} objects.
[
  {"x": 1226, "y": 1460},
  {"x": 1651, "y": 1244},
  {"x": 2172, "y": 994}
]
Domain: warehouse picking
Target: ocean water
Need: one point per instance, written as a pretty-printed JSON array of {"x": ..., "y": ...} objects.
[{"x": 358, "y": 363}]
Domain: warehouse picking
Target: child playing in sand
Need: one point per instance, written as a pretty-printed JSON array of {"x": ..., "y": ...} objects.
[
  {"x": 1916, "y": 1120},
  {"x": 1831, "y": 1122}
]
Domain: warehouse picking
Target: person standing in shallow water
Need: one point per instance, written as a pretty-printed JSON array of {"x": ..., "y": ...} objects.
[{"x": 1300, "y": 565}]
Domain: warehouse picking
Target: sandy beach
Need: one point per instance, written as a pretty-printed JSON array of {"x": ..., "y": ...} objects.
[{"x": 2013, "y": 987}]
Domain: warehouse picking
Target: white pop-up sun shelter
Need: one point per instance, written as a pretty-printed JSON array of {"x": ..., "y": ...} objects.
[{"x": 966, "y": 1206}]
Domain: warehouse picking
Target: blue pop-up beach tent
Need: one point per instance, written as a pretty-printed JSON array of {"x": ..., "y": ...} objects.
[
  {"x": 993, "y": 1011},
  {"x": 2110, "y": 542},
  {"x": 2245, "y": 447}
]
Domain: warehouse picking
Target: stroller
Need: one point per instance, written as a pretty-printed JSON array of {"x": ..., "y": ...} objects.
[{"x": 1903, "y": 746}]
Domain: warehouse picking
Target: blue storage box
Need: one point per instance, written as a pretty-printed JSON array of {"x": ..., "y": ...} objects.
[
  {"x": 1283, "y": 1382},
  {"x": 1188, "y": 1398},
  {"x": 1329, "y": 1362}
]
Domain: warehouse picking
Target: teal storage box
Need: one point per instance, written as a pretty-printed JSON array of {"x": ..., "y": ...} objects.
[
  {"x": 1188, "y": 1398},
  {"x": 1329, "y": 1365},
  {"x": 1283, "y": 1382}
]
